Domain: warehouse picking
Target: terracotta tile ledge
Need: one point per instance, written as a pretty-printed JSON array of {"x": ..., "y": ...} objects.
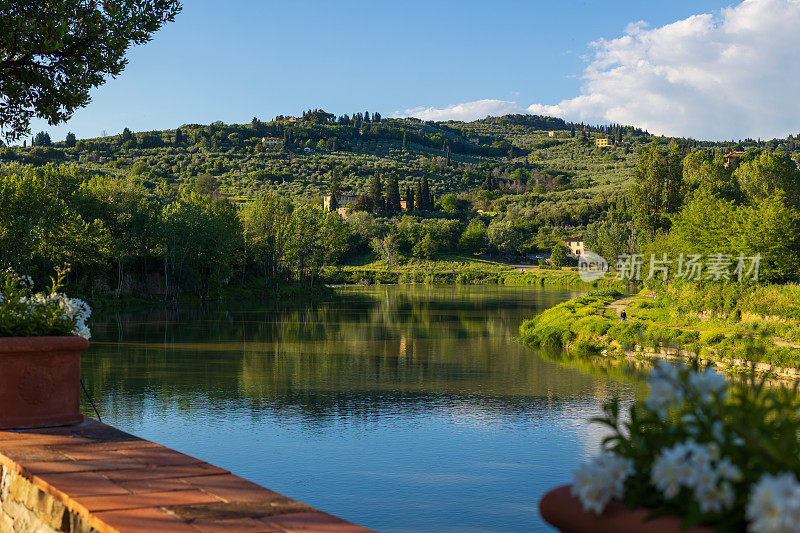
[{"x": 117, "y": 482}]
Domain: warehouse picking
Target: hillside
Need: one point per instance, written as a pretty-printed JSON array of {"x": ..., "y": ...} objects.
[
  {"x": 521, "y": 154},
  {"x": 534, "y": 165}
]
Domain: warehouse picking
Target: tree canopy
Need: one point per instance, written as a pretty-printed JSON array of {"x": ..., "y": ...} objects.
[{"x": 53, "y": 53}]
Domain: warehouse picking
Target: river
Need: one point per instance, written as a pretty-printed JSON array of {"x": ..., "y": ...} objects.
[{"x": 401, "y": 408}]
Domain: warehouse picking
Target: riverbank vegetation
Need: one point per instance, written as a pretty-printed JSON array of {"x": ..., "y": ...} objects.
[
  {"x": 122, "y": 237},
  {"x": 722, "y": 323},
  {"x": 456, "y": 268}
]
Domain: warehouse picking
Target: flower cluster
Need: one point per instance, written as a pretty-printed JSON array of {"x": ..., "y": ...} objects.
[
  {"x": 719, "y": 455},
  {"x": 775, "y": 504},
  {"x": 24, "y": 313},
  {"x": 699, "y": 468},
  {"x": 72, "y": 310},
  {"x": 600, "y": 480}
]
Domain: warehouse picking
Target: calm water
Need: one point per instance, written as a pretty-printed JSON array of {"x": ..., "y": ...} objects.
[{"x": 401, "y": 408}]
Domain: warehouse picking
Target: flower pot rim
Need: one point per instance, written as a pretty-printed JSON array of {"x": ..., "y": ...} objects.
[
  {"x": 564, "y": 511},
  {"x": 42, "y": 344}
]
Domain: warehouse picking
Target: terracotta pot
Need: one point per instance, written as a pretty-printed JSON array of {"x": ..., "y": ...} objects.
[
  {"x": 566, "y": 513},
  {"x": 40, "y": 381}
]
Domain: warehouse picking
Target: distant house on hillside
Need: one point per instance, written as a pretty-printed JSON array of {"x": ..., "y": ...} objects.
[
  {"x": 575, "y": 245},
  {"x": 473, "y": 140},
  {"x": 604, "y": 142},
  {"x": 292, "y": 119},
  {"x": 551, "y": 133},
  {"x": 343, "y": 200},
  {"x": 271, "y": 141},
  {"x": 732, "y": 159}
]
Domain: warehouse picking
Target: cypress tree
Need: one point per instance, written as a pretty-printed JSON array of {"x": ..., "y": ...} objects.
[
  {"x": 409, "y": 198},
  {"x": 425, "y": 193},
  {"x": 178, "y": 136},
  {"x": 418, "y": 203},
  {"x": 393, "y": 195},
  {"x": 335, "y": 192},
  {"x": 405, "y": 147},
  {"x": 376, "y": 192}
]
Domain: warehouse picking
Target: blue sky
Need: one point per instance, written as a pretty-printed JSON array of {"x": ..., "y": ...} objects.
[{"x": 234, "y": 60}]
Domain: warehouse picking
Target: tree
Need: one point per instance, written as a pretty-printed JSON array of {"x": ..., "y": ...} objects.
[
  {"x": 267, "y": 230},
  {"x": 405, "y": 146},
  {"x": 474, "y": 238},
  {"x": 559, "y": 255},
  {"x": 393, "y": 195},
  {"x": 708, "y": 172},
  {"x": 335, "y": 191},
  {"x": 126, "y": 135},
  {"x": 39, "y": 231},
  {"x": 648, "y": 191},
  {"x": 709, "y": 225},
  {"x": 768, "y": 173},
  {"x": 205, "y": 184},
  {"x": 203, "y": 238},
  {"x": 42, "y": 139},
  {"x": 673, "y": 188},
  {"x": 70, "y": 141},
  {"x": 409, "y": 199},
  {"x": 376, "y": 192},
  {"x": 419, "y": 204},
  {"x": 133, "y": 221},
  {"x": 425, "y": 248},
  {"x": 425, "y": 198},
  {"x": 178, "y": 136},
  {"x": 52, "y": 54},
  {"x": 452, "y": 204},
  {"x": 503, "y": 236},
  {"x": 386, "y": 248}
]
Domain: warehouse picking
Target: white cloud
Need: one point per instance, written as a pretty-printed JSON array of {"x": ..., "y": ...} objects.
[
  {"x": 466, "y": 111},
  {"x": 731, "y": 74}
]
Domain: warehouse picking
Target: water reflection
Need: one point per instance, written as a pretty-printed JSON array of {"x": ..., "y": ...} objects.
[{"x": 404, "y": 408}]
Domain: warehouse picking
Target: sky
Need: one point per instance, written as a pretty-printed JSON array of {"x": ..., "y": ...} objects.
[{"x": 703, "y": 69}]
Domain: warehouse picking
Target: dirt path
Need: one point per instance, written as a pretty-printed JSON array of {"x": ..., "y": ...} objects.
[{"x": 617, "y": 306}]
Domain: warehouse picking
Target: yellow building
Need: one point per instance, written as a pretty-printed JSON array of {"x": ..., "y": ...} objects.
[
  {"x": 604, "y": 142},
  {"x": 575, "y": 245},
  {"x": 343, "y": 200}
]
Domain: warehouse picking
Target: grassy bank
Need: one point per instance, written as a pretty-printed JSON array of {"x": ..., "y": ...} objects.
[
  {"x": 718, "y": 322},
  {"x": 457, "y": 269}
]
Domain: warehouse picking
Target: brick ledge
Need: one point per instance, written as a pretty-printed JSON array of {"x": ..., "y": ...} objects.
[{"x": 117, "y": 482}]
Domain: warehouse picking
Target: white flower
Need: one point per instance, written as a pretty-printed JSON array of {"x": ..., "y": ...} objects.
[
  {"x": 707, "y": 384},
  {"x": 666, "y": 391},
  {"x": 71, "y": 308},
  {"x": 697, "y": 467},
  {"x": 715, "y": 498},
  {"x": 727, "y": 470},
  {"x": 601, "y": 479},
  {"x": 774, "y": 505}
]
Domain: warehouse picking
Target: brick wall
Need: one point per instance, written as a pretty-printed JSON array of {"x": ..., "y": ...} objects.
[{"x": 26, "y": 509}]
